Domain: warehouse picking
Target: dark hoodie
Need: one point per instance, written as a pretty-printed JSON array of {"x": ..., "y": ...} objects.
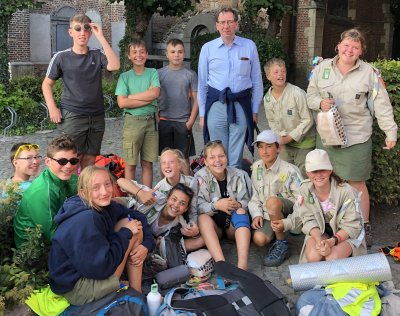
[{"x": 85, "y": 244}]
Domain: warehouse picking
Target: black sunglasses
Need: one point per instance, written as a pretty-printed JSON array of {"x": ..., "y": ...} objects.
[
  {"x": 78, "y": 28},
  {"x": 64, "y": 161}
]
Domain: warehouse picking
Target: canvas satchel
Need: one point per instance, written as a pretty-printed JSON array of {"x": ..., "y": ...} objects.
[{"x": 330, "y": 128}]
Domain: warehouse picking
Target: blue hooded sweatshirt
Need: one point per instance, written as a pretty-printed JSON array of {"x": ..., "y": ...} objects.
[{"x": 85, "y": 244}]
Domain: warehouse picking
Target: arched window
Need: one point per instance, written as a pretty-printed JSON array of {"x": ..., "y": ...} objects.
[{"x": 60, "y": 39}]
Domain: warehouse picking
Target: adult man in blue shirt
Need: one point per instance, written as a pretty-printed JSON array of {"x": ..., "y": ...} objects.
[{"x": 230, "y": 87}]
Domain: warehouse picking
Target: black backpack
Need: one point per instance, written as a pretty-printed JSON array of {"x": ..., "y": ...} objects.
[
  {"x": 251, "y": 297},
  {"x": 124, "y": 302}
]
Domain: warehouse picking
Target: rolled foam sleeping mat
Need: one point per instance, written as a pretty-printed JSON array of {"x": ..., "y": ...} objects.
[{"x": 369, "y": 268}]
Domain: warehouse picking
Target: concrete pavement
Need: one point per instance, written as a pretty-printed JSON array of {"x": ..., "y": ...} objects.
[{"x": 278, "y": 276}]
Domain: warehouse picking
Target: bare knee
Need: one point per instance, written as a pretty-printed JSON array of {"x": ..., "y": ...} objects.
[
  {"x": 203, "y": 219},
  {"x": 260, "y": 239},
  {"x": 241, "y": 211},
  {"x": 274, "y": 206},
  {"x": 146, "y": 164}
]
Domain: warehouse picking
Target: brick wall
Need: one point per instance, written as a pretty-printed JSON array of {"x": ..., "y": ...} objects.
[
  {"x": 19, "y": 46},
  {"x": 18, "y": 39}
]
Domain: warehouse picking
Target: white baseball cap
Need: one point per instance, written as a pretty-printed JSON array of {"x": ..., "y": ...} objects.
[
  {"x": 318, "y": 159},
  {"x": 267, "y": 136}
]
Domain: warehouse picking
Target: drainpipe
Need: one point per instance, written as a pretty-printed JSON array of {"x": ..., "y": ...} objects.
[{"x": 292, "y": 41}]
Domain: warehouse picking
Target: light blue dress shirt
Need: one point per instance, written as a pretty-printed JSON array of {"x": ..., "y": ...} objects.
[{"x": 236, "y": 66}]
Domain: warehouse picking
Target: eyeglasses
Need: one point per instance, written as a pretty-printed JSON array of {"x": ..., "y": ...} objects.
[
  {"x": 26, "y": 147},
  {"x": 86, "y": 27},
  {"x": 30, "y": 159},
  {"x": 212, "y": 142},
  {"x": 229, "y": 22},
  {"x": 64, "y": 161}
]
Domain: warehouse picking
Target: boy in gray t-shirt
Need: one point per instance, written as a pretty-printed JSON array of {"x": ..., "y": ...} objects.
[{"x": 178, "y": 101}]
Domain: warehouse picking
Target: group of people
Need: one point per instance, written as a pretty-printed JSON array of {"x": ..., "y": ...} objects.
[{"x": 94, "y": 237}]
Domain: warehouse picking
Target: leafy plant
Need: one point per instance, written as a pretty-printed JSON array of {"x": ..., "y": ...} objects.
[
  {"x": 137, "y": 16},
  {"x": 275, "y": 9},
  {"x": 24, "y": 269},
  {"x": 384, "y": 185}
]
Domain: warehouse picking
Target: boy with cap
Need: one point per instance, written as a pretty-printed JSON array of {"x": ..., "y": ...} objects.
[{"x": 275, "y": 183}]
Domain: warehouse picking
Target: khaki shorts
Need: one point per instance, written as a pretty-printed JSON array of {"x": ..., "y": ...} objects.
[
  {"x": 89, "y": 290},
  {"x": 266, "y": 229},
  {"x": 85, "y": 130},
  {"x": 140, "y": 137}
]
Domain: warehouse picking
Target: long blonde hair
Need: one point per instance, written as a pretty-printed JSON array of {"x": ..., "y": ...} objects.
[{"x": 85, "y": 184}]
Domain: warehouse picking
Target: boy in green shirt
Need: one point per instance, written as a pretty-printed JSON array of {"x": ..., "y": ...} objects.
[
  {"x": 42, "y": 200},
  {"x": 137, "y": 91}
]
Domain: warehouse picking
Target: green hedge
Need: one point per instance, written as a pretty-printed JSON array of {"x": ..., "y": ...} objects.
[
  {"x": 24, "y": 98},
  {"x": 267, "y": 49},
  {"x": 384, "y": 185},
  {"x": 24, "y": 269}
]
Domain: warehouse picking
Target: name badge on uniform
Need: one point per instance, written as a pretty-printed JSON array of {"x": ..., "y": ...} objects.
[
  {"x": 326, "y": 73},
  {"x": 310, "y": 198},
  {"x": 212, "y": 186},
  {"x": 259, "y": 173}
]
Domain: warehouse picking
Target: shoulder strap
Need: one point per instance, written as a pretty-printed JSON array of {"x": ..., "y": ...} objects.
[{"x": 374, "y": 92}]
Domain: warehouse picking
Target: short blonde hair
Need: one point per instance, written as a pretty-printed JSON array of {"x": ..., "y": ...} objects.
[
  {"x": 178, "y": 154},
  {"x": 79, "y": 18},
  {"x": 272, "y": 62},
  {"x": 85, "y": 184},
  {"x": 357, "y": 36}
]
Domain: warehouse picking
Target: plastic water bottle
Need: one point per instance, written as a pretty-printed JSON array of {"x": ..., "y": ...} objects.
[{"x": 153, "y": 300}]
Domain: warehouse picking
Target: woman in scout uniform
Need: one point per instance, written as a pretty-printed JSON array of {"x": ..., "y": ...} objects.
[
  {"x": 222, "y": 203},
  {"x": 329, "y": 211},
  {"x": 359, "y": 93}
]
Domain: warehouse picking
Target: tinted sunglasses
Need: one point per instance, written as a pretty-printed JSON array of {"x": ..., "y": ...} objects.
[
  {"x": 213, "y": 142},
  {"x": 64, "y": 161},
  {"x": 86, "y": 27},
  {"x": 26, "y": 147}
]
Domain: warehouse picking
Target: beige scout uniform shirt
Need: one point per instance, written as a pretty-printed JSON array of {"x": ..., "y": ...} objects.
[
  {"x": 290, "y": 115},
  {"x": 282, "y": 180},
  {"x": 238, "y": 187},
  {"x": 351, "y": 93},
  {"x": 164, "y": 187},
  {"x": 346, "y": 215}
]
